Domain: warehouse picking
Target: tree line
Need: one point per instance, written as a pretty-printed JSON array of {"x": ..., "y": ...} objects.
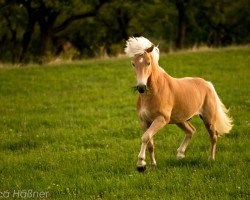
[{"x": 32, "y": 30}]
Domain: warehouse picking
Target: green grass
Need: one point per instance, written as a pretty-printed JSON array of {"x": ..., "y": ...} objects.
[{"x": 71, "y": 130}]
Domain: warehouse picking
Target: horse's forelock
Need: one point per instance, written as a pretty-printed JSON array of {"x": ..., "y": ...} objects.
[{"x": 138, "y": 45}]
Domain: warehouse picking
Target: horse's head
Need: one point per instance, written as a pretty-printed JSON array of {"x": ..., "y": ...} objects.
[
  {"x": 142, "y": 64},
  {"x": 144, "y": 56}
]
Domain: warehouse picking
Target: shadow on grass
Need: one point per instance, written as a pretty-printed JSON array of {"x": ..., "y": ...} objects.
[
  {"x": 189, "y": 162},
  {"x": 23, "y": 145}
]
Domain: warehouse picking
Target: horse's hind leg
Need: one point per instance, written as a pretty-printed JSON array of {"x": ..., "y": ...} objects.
[
  {"x": 208, "y": 117},
  {"x": 214, "y": 137},
  {"x": 189, "y": 130}
]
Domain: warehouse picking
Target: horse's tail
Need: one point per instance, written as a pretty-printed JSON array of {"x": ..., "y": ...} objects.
[{"x": 224, "y": 122}]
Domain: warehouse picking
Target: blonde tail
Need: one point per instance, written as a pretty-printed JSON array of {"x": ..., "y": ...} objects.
[{"x": 224, "y": 122}]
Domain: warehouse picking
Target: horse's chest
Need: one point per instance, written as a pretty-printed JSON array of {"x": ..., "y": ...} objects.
[
  {"x": 145, "y": 114},
  {"x": 146, "y": 109}
]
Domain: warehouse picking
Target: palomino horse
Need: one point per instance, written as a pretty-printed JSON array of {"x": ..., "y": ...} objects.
[{"x": 167, "y": 100}]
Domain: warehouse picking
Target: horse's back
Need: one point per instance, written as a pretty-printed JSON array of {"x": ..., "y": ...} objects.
[{"x": 195, "y": 86}]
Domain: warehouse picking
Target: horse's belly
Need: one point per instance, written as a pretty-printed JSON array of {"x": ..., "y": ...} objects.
[
  {"x": 177, "y": 117},
  {"x": 187, "y": 107},
  {"x": 184, "y": 113}
]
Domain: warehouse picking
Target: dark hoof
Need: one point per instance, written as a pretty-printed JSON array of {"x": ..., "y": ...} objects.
[{"x": 141, "y": 168}]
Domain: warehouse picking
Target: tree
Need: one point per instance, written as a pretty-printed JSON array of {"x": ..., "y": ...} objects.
[
  {"x": 11, "y": 25},
  {"x": 32, "y": 29},
  {"x": 53, "y": 17},
  {"x": 214, "y": 13},
  {"x": 187, "y": 10}
]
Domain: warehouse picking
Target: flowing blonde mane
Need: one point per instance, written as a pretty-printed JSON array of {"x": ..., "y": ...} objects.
[{"x": 138, "y": 45}]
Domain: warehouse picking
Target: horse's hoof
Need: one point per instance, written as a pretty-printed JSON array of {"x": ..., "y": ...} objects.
[
  {"x": 180, "y": 156},
  {"x": 141, "y": 168},
  {"x": 153, "y": 166},
  {"x": 211, "y": 159}
]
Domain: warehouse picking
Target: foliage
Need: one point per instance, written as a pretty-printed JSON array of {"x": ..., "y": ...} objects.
[
  {"x": 72, "y": 130},
  {"x": 34, "y": 29}
]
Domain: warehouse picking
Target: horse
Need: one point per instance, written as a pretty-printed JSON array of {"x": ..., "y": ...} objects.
[{"x": 167, "y": 100}]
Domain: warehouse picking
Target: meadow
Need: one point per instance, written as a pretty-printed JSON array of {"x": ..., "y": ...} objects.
[{"x": 71, "y": 130}]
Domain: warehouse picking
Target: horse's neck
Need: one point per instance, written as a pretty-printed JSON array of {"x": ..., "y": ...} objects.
[{"x": 158, "y": 79}]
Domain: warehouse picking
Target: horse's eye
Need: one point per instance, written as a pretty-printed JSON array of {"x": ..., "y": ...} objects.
[
  {"x": 148, "y": 63},
  {"x": 133, "y": 64}
]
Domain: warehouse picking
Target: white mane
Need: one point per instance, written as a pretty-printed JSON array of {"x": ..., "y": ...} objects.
[{"x": 138, "y": 45}]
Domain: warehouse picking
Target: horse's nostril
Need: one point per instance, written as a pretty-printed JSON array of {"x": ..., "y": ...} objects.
[{"x": 141, "y": 88}]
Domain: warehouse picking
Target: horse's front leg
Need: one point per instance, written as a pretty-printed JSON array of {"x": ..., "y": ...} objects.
[
  {"x": 156, "y": 125},
  {"x": 151, "y": 153},
  {"x": 145, "y": 125}
]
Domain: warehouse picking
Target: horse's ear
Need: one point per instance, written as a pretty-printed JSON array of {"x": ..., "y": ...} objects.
[{"x": 150, "y": 49}]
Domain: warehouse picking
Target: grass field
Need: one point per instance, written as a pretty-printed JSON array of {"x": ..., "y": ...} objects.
[{"x": 71, "y": 130}]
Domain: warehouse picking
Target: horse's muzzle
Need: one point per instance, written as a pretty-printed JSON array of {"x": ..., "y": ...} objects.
[{"x": 141, "y": 88}]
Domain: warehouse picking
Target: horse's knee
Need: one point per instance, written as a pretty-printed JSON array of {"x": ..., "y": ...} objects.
[
  {"x": 190, "y": 133},
  {"x": 214, "y": 138},
  {"x": 212, "y": 132},
  {"x": 192, "y": 129},
  {"x": 145, "y": 138}
]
